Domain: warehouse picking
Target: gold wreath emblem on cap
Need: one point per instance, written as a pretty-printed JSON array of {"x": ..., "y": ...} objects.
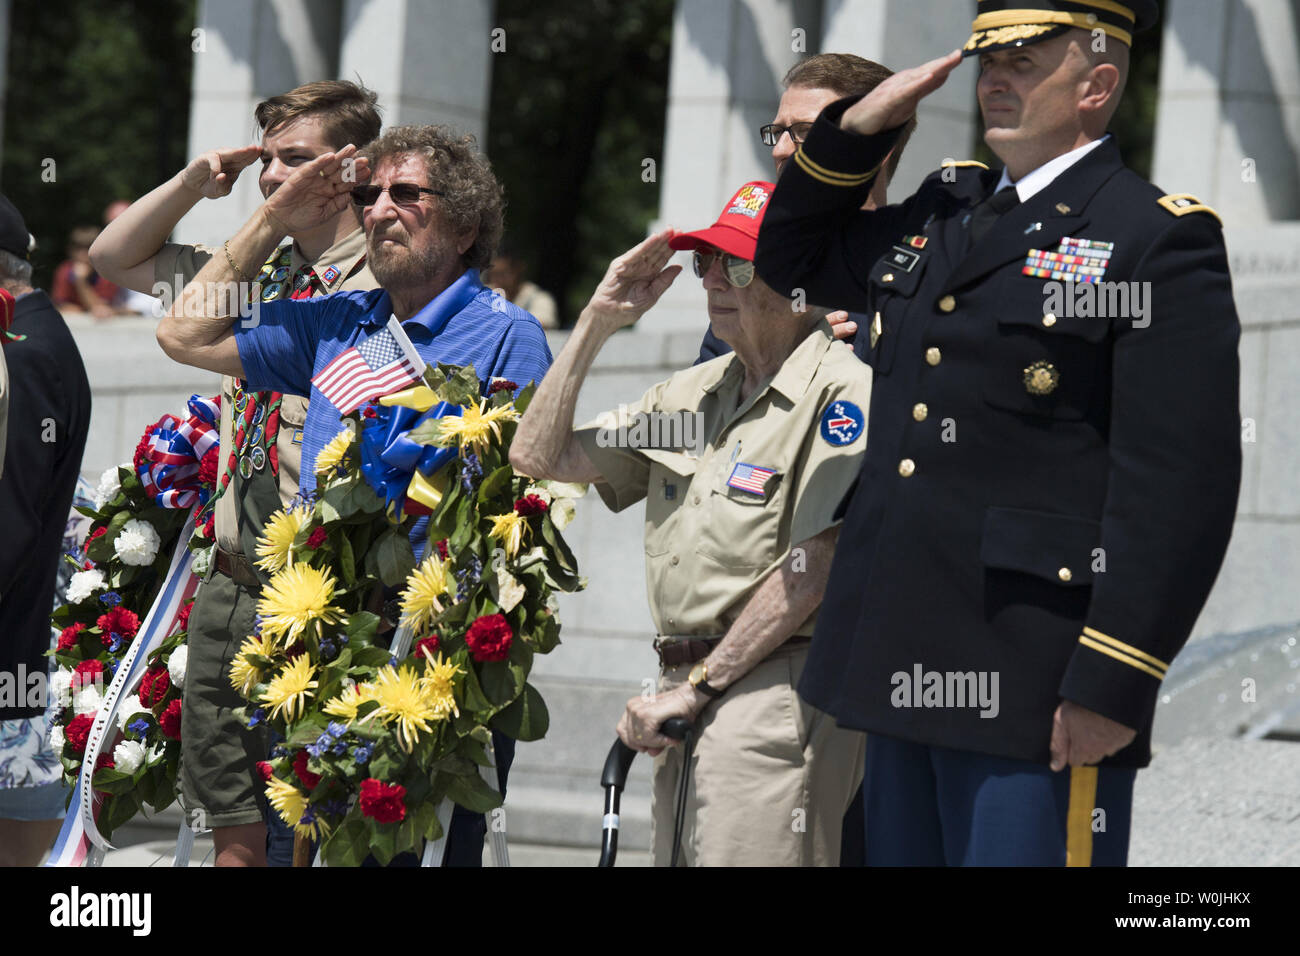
[{"x": 1041, "y": 378}]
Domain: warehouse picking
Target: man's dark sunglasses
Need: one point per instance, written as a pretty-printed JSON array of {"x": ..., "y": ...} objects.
[
  {"x": 771, "y": 133},
  {"x": 404, "y": 194}
]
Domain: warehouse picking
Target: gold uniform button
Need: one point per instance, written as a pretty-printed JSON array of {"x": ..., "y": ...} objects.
[
  {"x": 887, "y": 277},
  {"x": 1049, "y": 320},
  {"x": 919, "y": 411},
  {"x": 1064, "y": 574},
  {"x": 906, "y": 467},
  {"x": 1041, "y": 378},
  {"x": 933, "y": 356},
  {"x": 947, "y": 303}
]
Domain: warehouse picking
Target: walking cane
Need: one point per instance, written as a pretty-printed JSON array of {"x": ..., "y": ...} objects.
[{"x": 614, "y": 777}]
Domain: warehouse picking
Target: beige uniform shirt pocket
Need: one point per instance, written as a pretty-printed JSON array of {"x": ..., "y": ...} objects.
[
  {"x": 288, "y": 444},
  {"x": 738, "y": 529}
]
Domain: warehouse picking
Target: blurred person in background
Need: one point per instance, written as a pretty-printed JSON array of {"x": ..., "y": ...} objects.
[
  {"x": 77, "y": 287},
  {"x": 509, "y": 274}
]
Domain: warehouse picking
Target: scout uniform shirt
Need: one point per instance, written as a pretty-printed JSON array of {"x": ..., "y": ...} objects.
[
  {"x": 241, "y": 514},
  {"x": 733, "y": 484}
]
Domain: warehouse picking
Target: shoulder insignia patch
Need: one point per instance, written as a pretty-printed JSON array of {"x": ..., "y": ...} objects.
[
  {"x": 962, "y": 162},
  {"x": 1180, "y": 204},
  {"x": 842, "y": 422}
]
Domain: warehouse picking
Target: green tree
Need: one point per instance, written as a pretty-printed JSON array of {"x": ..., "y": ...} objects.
[
  {"x": 579, "y": 97},
  {"x": 103, "y": 90}
]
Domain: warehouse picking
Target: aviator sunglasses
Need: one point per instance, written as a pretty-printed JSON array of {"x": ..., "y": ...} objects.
[
  {"x": 404, "y": 194},
  {"x": 737, "y": 271}
]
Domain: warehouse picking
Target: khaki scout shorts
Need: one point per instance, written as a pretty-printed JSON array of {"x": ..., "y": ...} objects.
[
  {"x": 771, "y": 779},
  {"x": 218, "y": 772}
]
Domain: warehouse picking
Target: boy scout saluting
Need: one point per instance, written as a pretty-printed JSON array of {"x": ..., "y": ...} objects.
[
  {"x": 1051, "y": 489},
  {"x": 261, "y": 432},
  {"x": 739, "y": 534}
]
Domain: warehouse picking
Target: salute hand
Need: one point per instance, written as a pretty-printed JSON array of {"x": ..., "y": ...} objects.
[
  {"x": 893, "y": 102},
  {"x": 316, "y": 191},
  {"x": 214, "y": 173}
]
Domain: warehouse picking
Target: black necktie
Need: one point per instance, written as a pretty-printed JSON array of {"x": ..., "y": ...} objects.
[{"x": 987, "y": 212}]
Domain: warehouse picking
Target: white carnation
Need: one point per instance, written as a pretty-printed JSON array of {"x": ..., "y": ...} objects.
[
  {"x": 83, "y": 584},
  {"x": 61, "y": 686},
  {"x": 131, "y": 709},
  {"x": 86, "y": 700},
  {"x": 176, "y": 666},
  {"x": 109, "y": 486},
  {"x": 56, "y": 738},
  {"x": 137, "y": 543},
  {"x": 128, "y": 755}
]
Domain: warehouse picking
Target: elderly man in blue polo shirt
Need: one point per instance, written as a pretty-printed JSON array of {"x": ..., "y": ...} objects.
[{"x": 432, "y": 212}]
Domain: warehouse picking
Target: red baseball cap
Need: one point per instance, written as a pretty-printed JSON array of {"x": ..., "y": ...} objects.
[{"x": 736, "y": 230}]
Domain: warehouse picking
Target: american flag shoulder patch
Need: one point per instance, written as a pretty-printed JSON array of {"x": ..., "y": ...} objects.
[{"x": 751, "y": 478}]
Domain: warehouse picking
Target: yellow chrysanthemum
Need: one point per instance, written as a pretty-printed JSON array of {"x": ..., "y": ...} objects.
[
  {"x": 287, "y": 799},
  {"x": 439, "y": 687},
  {"x": 426, "y": 585},
  {"x": 345, "y": 705},
  {"x": 275, "y": 546},
  {"x": 404, "y": 700},
  {"x": 288, "y": 690},
  {"x": 509, "y": 529},
  {"x": 474, "y": 426},
  {"x": 244, "y": 673},
  {"x": 296, "y": 597},
  {"x": 335, "y": 454}
]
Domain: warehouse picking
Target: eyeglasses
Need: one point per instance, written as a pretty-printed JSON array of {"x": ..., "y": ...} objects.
[
  {"x": 404, "y": 194},
  {"x": 737, "y": 271},
  {"x": 772, "y": 133}
]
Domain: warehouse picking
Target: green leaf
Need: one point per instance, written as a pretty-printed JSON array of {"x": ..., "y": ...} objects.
[
  {"x": 525, "y": 719},
  {"x": 492, "y": 485},
  {"x": 472, "y": 792},
  {"x": 394, "y": 559},
  {"x": 361, "y": 628},
  {"x": 383, "y": 842},
  {"x": 349, "y": 844},
  {"x": 501, "y": 681},
  {"x": 475, "y": 699}
]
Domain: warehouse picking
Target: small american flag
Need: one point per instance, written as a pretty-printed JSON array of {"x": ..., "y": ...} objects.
[
  {"x": 750, "y": 478},
  {"x": 382, "y": 364}
]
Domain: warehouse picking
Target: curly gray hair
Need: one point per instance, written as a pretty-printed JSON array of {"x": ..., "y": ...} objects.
[{"x": 472, "y": 196}]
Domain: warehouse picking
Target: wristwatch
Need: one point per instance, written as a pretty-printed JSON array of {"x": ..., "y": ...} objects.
[{"x": 699, "y": 680}]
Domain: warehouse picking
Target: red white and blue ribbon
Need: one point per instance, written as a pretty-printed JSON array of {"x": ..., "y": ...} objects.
[
  {"x": 79, "y": 828},
  {"x": 170, "y": 471}
]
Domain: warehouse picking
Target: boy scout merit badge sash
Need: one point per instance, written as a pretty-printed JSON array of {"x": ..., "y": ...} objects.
[
  {"x": 842, "y": 423},
  {"x": 1075, "y": 260}
]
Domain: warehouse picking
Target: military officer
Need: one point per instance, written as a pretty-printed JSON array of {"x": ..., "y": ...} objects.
[{"x": 1054, "y": 460}]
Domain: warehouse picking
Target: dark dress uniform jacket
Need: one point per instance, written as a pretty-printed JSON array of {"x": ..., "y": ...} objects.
[
  {"x": 1046, "y": 498},
  {"x": 49, "y": 418}
]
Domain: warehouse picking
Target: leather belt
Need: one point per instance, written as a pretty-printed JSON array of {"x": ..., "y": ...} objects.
[
  {"x": 238, "y": 568},
  {"x": 690, "y": 650}
]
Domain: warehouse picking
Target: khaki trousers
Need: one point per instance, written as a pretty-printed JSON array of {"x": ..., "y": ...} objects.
[{"x": 771, "y": 775}]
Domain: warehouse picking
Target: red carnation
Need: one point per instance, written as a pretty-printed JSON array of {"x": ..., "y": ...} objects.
[
  {"x": 154, "y": 686},
  {"x": 429, "y": 643},
  {"x": 87, "y": 672},
  {"x": 382, "y": 801},
  {"x": 501, "y": 384},
  {"x": 105, "y": 762},
  {"x": 264, "y": 770},
  {"x": 442, "y": 549},
  {"x": 209, "y": 465},
  {"x": 69, "y": 636},
  {"x": 97, "y": 533},
  {"x": 531, "y": 505},
  {"x": 170, "y": 721},
  {"x": 369, "y": 412},
  {"x": 209, "y": 526},
  {"x": 317, "y": 538},
  {"x": 77, "y": 732},
  {"x": 120, "y": 621},
  {"x": 183, "y": 618},
  {"x": 309, "y": 779},
  {"x": 489, "y": 638}
]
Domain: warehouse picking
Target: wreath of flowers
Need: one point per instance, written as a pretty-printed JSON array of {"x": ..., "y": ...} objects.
[
  {"x": 139, "y": 511},
  {"x": 374, "y": 743}
]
